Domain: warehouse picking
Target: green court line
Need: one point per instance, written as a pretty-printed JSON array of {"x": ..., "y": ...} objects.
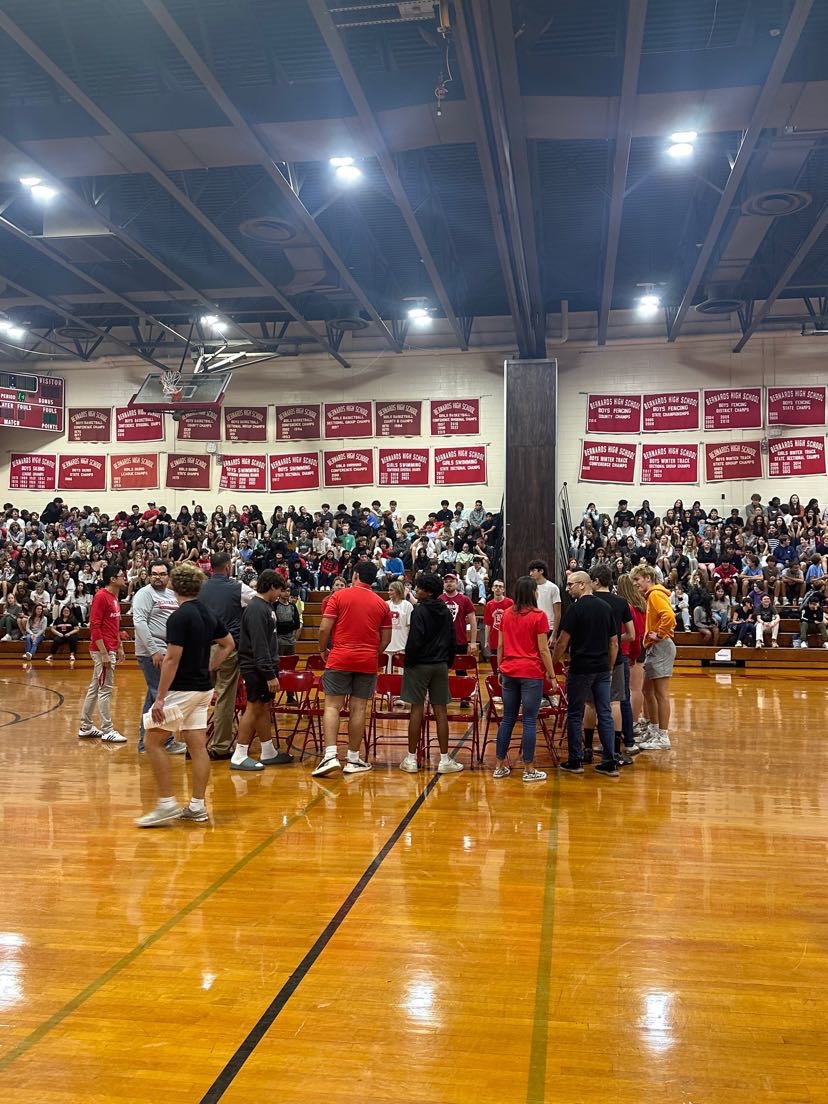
[
  {"x": 536, "y": 1087},
  {"x": 118, "y": 967}
]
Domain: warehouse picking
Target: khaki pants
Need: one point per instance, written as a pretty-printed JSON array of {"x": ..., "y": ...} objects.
[
  {"x": 99, "y": 693},
  {"x": 227, "y": 679}
]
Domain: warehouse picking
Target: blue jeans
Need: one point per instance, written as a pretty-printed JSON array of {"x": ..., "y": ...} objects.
[
  {"x": 577, "y": 690},
  {"x": 626, "y": 707},
  {"x": 515, "y": 691},
  {"x": 31, "y": 642}
]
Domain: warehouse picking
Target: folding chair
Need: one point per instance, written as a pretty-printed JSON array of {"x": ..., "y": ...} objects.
[
  {"x": 468, "y": 663},
  {"x": 555, "y": 692},
  {"x": 315, "y": 662},
  {"x": 291, "y": 701},
  {"x": 313, "y": 710},
  {"x": 493, "y": 710},
  {"x": 388, "y": 688},
  {"x": 460, "y": 689},
  {"x": 288, "y": 663}
]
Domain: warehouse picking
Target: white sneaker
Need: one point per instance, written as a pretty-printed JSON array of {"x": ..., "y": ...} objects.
[
  {"x": 774, "y": 644},
  {"x": 450, "y": 766},
  {"x": 89, "y": 733},
  {"x": 359, "y": 767},
  {"x": 804, "y": 644},
  {"x": 759, "y": 644},
  {"x": 739, "y": 644},
  {"x": 534, "y": 776},
  {"x": 663, "y": 743},
  {"x": 796, "y": 644},
  {"x": 409, "y": 764},
  {"x": 159, "y": 815},
  {"x": 651, "y": 742},
  {"x": 326, "y": 766},
  {"x": 825, "y": 645},
  {"x": 113, "y": 737},
  {"x": 177, "y": 747}
]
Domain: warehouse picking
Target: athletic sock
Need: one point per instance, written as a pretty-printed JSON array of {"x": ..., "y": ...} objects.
[
  {"x": 167, "y": 803},
  {"x": 589, "y": 735},
  {"x": 240, "y": 754},
  {"x": 445, "y": 757},
  {"x": 330, "y": 752},
  {"x": 268, "y": 750},
  {"x": 196, "y": 804},
  {"x": 353, "y": 756}
]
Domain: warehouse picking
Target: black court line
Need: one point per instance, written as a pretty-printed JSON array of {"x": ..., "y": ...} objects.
[
  {"x": 18, "y": 719},
  {"x": 225, "y": 1079}
]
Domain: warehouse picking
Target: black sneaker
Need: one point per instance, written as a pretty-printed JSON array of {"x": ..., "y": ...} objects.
[
  {"x": 587, "y": 755},
  {"x": 610, "y": 770},
  {"x": 570, "y": 768},
  {"x": 623, "y": 759}
]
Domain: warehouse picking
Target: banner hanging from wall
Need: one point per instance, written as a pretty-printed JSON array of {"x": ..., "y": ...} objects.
[
  {"x": 455, "y": 417},
  {"x": 134, "y": 424},
  {"x": 796, "y": 406},
  {"x": 243, "y": 473},
  {"x": 671, "y": 411},
  {"x": 669, "y": 463},
  {"x": 349, "y": 468},
  {"x": 398, "y": 419},
  {"x": 300, "y": 422},
  {"x": 454, "y": 467},
  {"x": 245, "y": 423},
  {"x": 81, "y": 473},
  {"x": 349, "y": 419},
  {"x": 613, "y": 414},
  {"x": 186, "y": 471},
  {"x": 32, "y": 471},
  {"x": 403, "y": 467},
  {"x": 733, "y": 409},
  {"x": 87, "y": 424},
  {"x": 134, "y": 472},
  {"x": 294, "y": 471},
  {"x": 199, "y": 425},
  {"x": 733, "y": 460},
  {"x": 796, "y": 456},
  {"x": 608, "y": 462}
]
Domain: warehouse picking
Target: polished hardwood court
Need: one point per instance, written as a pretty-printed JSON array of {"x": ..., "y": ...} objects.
[{"x": 662, "y": 937}]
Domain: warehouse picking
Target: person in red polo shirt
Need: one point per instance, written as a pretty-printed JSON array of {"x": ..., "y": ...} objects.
[{"x": 363, "y": 631}]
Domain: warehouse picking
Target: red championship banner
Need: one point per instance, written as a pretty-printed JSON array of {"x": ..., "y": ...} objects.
[
  {"x": 796, "y": 456},
  {"x": 403, "y": 467},
  {"x": 733, "y": 460},
  {"x": 669, "y": 463},
  {"x": 455, "y": 467},
  {"x": 187, "y": 471},
  {"x": 32, "y": 471},
  {"x": 608, "y": 461},
  {"x": 454, "y": 416},
  {"x": 89, "y": 423},
  {"x": 133, "y": 473},
  {"x": 200, "y": 425},
  {"x": 733, "y": 409},
  {"x": 796, "y": 406},
  {"x": 294, "y": 471},
  {"x": 81, "y": 473},
  {"x": 399, "y": 419},
  {"x": 245, "y": 423},
  {"x": 613, "y": 414},
  {"x": 349, "y": 468},
  {"x": 301, "y": 422},
  {"x": 134, "y": 424},
  {"x": 670, "y": 411},
  {"x": 349, "y": 419},
  {"x": 243, "y": 473}
]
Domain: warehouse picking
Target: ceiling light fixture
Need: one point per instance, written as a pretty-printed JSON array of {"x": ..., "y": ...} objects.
[
  {"x": 679, "y": 151},
  {"x": 416, "y": 313},
  {"x": 648, "y": 305},
  {"x": 44, "y": 193},
  {"x": 684, "y": 136},
  {"x": 339, "y": 162},
  {"x": 30, "y": 181},
  {"x": 16, "y": 333},
  {"x": 348, "y": 174}
]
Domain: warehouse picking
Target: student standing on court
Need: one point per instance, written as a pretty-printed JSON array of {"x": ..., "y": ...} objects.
[
  {"x": 429, "y": 652},
  {"x": 226, "y": 598},
  {"x": 464, "y": 617},
  {"x": 492, "y": 616},
  {"x": 151, "y": 609},
  {"x": 523, "y": 659},
  {"x": 549, "y": 595},
  {"x": 588, "y": 632},
  {"x": 620, "y": 682},
  {"x": 401, "y": 610},
  {"x": 660, "y": 655},
  {"x": 107, "y": 651},
  {"x": 184, "y": 693},
  {"x": 259, "y": 666},
  {"x": 362, "y": 624}
]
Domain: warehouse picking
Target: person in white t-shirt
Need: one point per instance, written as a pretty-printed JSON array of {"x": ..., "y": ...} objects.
[
  {"x": 549, "y": 595},
  {"x": 401, "y": 610}
]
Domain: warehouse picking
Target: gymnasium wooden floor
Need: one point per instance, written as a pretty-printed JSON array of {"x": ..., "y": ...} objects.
[{"x": 393, "y": 938}]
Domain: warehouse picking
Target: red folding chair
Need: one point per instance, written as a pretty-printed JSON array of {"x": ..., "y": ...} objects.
[
  {"x": 493, "y": 710},
  {"x": 460, "y": 689},
  {"x": 291, "y": 701},
  {"x": 315, "y": 662},
  {"x": 288, "y": 663},
  {"x": 313, "y": 711},
  {"x": 468, "y": 663},
  {"x": 555, "y": 692},
  {"x": 388, "y": 689}
]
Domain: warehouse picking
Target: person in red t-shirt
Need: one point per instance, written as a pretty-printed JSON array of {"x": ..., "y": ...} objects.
[
  {"x": 107, "y": 649},
  {"x": 492, "y": 616},
  {"x": 363, "y": 631},
  {"x": 523, "y": 659}
]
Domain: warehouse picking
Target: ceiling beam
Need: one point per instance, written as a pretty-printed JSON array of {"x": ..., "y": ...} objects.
[
  {"x": 376, "y": 139},
  {"x": 488, "y": 63},
  {"x": 790, "y": 270},
  {"x": 767, "y": 96},
  {"x": 297, "y": 209},
  {"x": 636, "y": 18},
  {"x": 137, "y": 155}
]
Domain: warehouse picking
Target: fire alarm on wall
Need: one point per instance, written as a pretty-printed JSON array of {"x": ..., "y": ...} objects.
[{"x": 212, "y": 447}]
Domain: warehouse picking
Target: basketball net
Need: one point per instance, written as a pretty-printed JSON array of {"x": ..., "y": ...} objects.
[{"x": 171, "y": 384}]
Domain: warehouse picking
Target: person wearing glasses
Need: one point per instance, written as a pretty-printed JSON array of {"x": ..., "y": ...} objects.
[
  {"x": 151, "y": 609},
  {"x": 107, "y": 650}
]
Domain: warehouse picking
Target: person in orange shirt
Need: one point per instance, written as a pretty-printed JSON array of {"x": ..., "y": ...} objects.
[{"x": 660, "y": 655}]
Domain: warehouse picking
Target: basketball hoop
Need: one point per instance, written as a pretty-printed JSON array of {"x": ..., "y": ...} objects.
[{"x": 171, "y": 384}]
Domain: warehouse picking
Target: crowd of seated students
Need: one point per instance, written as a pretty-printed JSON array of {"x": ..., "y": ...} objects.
[
  {"x": 733, "y": 576},
  {"x": 51, "y": 562}
]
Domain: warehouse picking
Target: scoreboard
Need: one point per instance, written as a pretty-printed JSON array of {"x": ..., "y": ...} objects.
[{"x": 32, "y": 402}]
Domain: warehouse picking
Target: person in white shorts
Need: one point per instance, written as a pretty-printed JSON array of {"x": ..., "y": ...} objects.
[{"x": 184, "y": 693}]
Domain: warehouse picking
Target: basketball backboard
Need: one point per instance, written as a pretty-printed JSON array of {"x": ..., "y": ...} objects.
[{"x": 197, "y": 393}]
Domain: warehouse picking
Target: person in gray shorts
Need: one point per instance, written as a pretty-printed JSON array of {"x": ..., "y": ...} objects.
[{"x": 429, "y": 652}]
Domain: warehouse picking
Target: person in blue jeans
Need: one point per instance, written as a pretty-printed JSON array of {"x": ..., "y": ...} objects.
[
  {"x": 589, "y": 634},
  {"x": 152, "y": 607},
  {"x": 523, "y": 659}
]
